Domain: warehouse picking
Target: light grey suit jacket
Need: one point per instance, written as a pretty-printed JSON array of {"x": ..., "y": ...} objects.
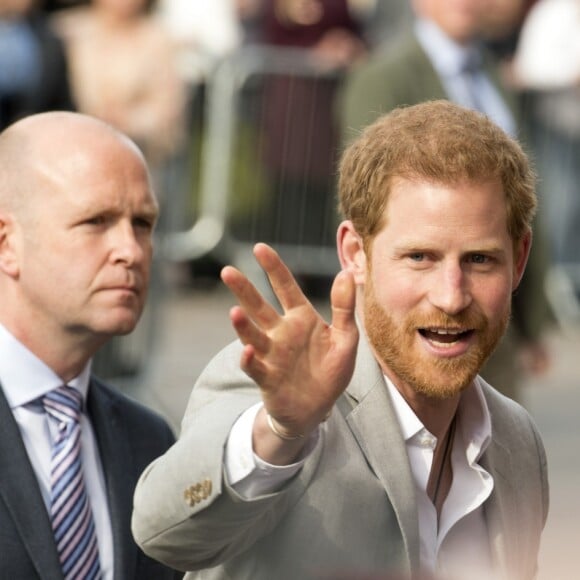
[{"x": 350, "y": 511}]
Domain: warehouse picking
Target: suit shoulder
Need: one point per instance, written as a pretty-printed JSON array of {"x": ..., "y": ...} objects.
[
  {"x": 133, "y": 412},
  {"x": 508, "y": 416},
  {"x": 498, "y": 402},
  {"x": 392, "y": 58},
  {"x": 388, "y": 79}
]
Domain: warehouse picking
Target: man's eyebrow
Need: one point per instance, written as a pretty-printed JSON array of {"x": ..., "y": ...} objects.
[
  {"x": 423, "y": 246},
  {"x": 484, "y": 248}
]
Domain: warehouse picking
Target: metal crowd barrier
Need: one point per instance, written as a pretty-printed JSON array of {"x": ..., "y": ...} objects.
[
  {"x": 220, "y": 160},
  {"x": 233, "y": 109}
]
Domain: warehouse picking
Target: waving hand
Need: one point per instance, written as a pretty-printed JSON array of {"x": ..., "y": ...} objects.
[{"x": 301, "y": 363}]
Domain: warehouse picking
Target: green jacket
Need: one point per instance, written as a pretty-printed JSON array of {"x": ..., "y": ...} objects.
[{"x": 400, "y": 74}]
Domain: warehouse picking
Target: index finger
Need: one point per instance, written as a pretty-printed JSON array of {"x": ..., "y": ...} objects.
[
  {"x": 283, "y": 283},
  {"x": 252, "y": 302}
]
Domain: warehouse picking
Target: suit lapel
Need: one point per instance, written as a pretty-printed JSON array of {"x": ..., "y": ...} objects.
[
  {"x": 20, "y": 492},
  {"x": 372, "y": 419},
  {"x": 502, "y": 506},
  {"x": 508, "y": 97},
  {"x": 116, "y": 460},
  {"x": 374, "y": 424},
  {"x": 426, "y": 83}
]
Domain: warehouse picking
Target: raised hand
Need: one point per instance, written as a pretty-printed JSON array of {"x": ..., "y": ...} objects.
[{"x": 301, "y": 363}]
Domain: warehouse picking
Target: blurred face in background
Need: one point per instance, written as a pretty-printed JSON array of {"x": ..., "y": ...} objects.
[
  {"x": 502, "y": 17},
  {"x": 459, "y": 19},
  {"x": 12, "y": 8},
  {"x": 299, "y": 12}
]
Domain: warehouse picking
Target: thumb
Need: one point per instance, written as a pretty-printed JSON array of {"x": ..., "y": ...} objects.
[{"x": 342, "y": 301}]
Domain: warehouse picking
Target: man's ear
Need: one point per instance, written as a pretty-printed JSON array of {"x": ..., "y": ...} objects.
[
  {"x": 351, "y": 251},
  {"x": 8, "y": 255},
  {"x": 521, "y": 255}
]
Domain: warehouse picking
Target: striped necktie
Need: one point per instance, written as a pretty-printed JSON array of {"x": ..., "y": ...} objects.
[{"x": 72, "y": 519}]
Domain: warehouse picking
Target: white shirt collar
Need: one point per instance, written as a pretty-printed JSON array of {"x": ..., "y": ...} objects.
[
  {"x": 472, "y": 412},
  {"x": 447, "y": 56},
  {"x": 25, "y": 378}
]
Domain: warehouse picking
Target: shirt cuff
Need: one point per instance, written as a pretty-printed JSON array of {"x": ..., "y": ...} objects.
[{"x": 249, "y": 475}]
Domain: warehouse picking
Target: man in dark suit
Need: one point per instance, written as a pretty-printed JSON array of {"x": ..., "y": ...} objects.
[{"x": 77, "y": 214}]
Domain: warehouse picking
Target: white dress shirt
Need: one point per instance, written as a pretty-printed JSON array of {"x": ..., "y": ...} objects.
[
  {"x": 460, "y": 542},
  {"x": 449, "y": 59},
  {"x": 25, "y": 379}
]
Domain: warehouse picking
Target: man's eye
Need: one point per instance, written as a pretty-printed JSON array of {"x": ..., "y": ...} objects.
[
  {"x": 96, "y": 221},
  {"x": 479, "y": 259},
  {"x": 417, "y": 256},
  {"x": 143, "y": 223}
]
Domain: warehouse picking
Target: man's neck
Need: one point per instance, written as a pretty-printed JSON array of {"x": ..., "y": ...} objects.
[
  {"x": 436, "y": 414},
  {"x": 67, "y": 358}
]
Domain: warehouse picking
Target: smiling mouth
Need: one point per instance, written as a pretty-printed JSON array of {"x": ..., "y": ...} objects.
[{"x": 446, "y": 336}]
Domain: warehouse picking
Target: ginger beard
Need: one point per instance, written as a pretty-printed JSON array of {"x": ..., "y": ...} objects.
[{"x": 398, "y": 346}]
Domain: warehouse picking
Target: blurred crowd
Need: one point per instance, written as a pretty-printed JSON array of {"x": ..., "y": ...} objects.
[{"x": 145, "y": 66}]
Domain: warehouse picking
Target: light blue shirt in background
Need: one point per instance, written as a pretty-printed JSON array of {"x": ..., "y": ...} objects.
[{"x": 449, "y": 60}]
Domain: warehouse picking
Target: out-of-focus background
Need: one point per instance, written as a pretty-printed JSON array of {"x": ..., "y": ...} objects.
[{"x": 239, "y": 107}]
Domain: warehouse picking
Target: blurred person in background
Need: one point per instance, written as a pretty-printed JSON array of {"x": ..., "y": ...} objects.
[
  {"x": 33, "y": 66},
  {"x": 204, "y": 33},
  {"x": 54, "y": 5},
  {"x": 123, "y": 71},
  {"x": 441, "y": 56},
  {"x": 300, "y": 137},
  {"x": 547, "y": 63},
  {"x": 386, "y": 19},
  {"x": 438, "y": 56},
  {"x": 501, "y": 24}
]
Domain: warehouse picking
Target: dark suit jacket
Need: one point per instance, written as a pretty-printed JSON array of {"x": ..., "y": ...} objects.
[{"x": 129, "y": 436}]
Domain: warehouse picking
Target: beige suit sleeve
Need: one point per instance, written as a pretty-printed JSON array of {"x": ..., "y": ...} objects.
[{"x": 185, "y": 513}]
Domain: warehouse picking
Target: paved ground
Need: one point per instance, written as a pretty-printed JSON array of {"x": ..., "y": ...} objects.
[{"x": 194, "y": 325}]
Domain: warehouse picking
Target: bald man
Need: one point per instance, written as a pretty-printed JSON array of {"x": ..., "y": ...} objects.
[{"x": 77, "y": 213}]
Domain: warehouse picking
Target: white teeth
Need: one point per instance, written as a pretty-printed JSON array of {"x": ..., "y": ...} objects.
[
  {"x": 445, "y": 331},
  {"x": 443, "y": 344}
]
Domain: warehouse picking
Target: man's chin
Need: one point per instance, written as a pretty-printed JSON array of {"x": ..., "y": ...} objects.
[
  {"x": 442, "y": 381},
  {"x": 441, "y": 391},
  {"x": 118, "y": 326}
]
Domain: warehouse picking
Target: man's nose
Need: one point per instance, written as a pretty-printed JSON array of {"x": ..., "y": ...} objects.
[
  {"x": 127, "y": 247},
  {"x": 450, "y": 291}
]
